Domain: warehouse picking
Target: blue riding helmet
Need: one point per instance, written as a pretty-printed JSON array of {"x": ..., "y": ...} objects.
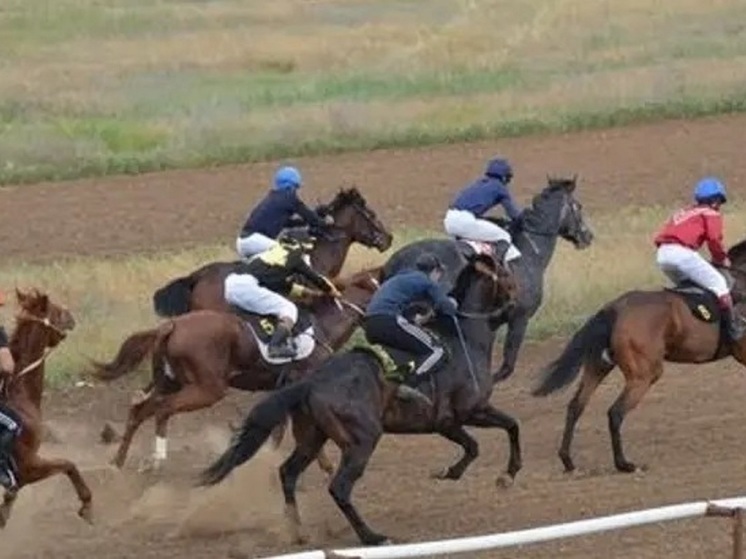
[
  {"x": 499, "y": 169},
  {"x": 708, "y": 189},
  {"x": 287, "y": 178}
]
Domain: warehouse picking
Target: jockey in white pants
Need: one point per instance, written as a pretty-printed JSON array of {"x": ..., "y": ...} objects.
[
  {"x": 274, "y": 213},
  {"x": 683, "y": 235},
  {"x": 463, "y": 216},
  {"x": 270, "y": 277}
]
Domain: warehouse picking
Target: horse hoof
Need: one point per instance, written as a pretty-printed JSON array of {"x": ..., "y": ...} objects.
[
  {"x": 377, "y": 539},
  {"x": 505, "y": 481},
  {"x": 86, "y": 513},
  {"x": 149, "y": 465},
  {"x": 626, "y": 468}
]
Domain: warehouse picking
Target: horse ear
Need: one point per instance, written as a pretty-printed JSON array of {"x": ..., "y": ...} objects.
[{"x": 21, "y": 297}]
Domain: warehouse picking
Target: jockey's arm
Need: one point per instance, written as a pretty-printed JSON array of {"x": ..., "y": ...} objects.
[
  {"x": 714, "y": 239},
  {"x": 299, "y": 265},
  {"x": 7, "y": 363},
  {"x": 307, "y": 214}
]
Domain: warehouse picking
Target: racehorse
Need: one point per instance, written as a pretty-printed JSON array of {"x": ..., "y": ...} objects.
[
  {"x": 555, "y": 212},
  {"x": 41, "y": 325},
  {"x": 199, "y": 355},
  {"x": 349, "y": 401},
  {"x": 638, "y": 332},
  {"x": 354, "y": 222}
]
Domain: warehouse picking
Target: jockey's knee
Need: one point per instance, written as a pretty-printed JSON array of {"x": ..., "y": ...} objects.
[{"x": 289, "y": 313}]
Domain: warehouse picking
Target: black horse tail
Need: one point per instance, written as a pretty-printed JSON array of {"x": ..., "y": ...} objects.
[
  {"x": 590, "y": 341},
  {"x": 256, "y": 429},
  {"x": 173, "y": 298}
]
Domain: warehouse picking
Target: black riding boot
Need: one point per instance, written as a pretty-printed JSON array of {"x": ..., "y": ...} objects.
[
  {"x": 7, "y": 474},
  {"x": 734, "y": 324},
  {"x": 280, "y": 346}
]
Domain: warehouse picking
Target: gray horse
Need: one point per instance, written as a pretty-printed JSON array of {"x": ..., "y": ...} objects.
[
  {"x": 348, "y": 401},
  {"x": 554, "y": 213}
]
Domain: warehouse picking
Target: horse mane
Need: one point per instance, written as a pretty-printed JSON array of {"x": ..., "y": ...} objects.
[
  {"x": 344, "y": 197},
  {"x": 737, "y": 253},
  {"x": 33, "y": 302}
]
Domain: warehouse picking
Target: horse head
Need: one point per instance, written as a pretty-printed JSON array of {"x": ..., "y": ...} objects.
[
  {"x": 37, "y": 307},
  {"x": 556, "y": 211},
  {"x": 353, "y": 216}
]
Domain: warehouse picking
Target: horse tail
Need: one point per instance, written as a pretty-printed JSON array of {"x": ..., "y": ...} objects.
[
  {"x": 590, "y": 341},
  {"x": 255, "y": 430},
  {"x": 173, "y": 298},
  {"x": 132, "y": 352}
]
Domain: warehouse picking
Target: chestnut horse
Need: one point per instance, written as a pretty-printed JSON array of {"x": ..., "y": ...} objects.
[
  {"x": 638, "y": 332},
  {"x": 40, "y": 326},
  {"x": 354, "y": 222},
  {"x": 199, "y": 355}
]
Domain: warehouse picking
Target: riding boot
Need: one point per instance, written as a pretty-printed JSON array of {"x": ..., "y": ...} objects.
[
  {"x": 7, "y": 475},
  {"x": 280, "y": 346}
]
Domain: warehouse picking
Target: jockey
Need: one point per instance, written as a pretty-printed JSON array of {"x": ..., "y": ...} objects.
[
  {"x": 274, "y": 213},
  {"x": 270, "y": 278},
  {"x": 10, "y": 428},
  {"x": 463, "y": 216},
  {"x": 682, "y": 236},
  {"x": 385, "y": 324}
]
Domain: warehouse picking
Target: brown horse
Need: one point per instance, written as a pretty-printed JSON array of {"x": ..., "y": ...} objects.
[
  {"x": 354, "y": 222},
  {"x": 199, "y": 355},
  {"x": 638, "y": 332},
  {"x": 40, "y": 326}
]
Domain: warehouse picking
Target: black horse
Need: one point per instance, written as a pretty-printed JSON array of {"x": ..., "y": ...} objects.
[
  {"x": 555, "y": 212},
  {"x": 349, "y": 401}
]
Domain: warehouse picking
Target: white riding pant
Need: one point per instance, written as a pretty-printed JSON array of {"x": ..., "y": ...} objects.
[
  {"x": 460, "y": 223},
  {"x": 680, "y": 262},
  {"x": 244, "y": 291},
  {"x": 253, "y": 244}
]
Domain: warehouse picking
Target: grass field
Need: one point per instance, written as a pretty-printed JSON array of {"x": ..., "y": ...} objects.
[
  {"x": 128, "y": 85},
  {"x": 111, "y": 298}
]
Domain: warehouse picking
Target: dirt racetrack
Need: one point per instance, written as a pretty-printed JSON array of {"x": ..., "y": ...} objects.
[{"x": 688, "y": 430}]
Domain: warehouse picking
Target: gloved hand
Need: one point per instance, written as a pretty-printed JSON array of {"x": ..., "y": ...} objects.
[
  {"x": 454, "y": 304},
  {"x": 328, "y": 219}
]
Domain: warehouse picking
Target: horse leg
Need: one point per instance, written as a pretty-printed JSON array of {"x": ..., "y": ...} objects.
[
  {"x": 9, "y": 500},
  {"x": 633, "y": 392},
  {"x": 458, "y": 435},
  {"x": 190, "y": 398},
  {"x": 309, "y": 442},
  {"x": 139, "y": 412},
  {"x": 300, "y": 433},
  {"x": 592, "y": 377},
  {"x": 517, "y": 326},
  {"x": 354, "y": 460},
  {"x": 490, "y": 416},
  {"x": 37, "y": 469}
]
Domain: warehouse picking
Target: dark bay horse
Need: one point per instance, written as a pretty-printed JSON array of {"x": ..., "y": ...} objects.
[
  {"x": 348, "y": 401},
  {"x": 554, "y": 213},
  {"x": 638, "y": 332},
  {"x": 199, "y": 355},
  {"x": 354, "y": 222},
  {"x": 41, "y": 325}
]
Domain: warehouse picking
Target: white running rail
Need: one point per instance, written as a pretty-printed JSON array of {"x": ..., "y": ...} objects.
[{"x": 731, "y": 507}]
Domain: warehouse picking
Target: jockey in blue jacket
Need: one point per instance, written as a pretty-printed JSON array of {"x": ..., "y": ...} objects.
[
  {"x": 10, "y": 426},
  {"x": 274, "y": 213},
  {"x": 385, "y": 324},
  {"x": 463, "y": 218}
]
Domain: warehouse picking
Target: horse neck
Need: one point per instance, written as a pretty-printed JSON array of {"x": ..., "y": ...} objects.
[
  {"x": 328, "y": 256},
  {"x": 337, "y": 325},
  {"x": 537, "y": 248},
  {"x": 476, "y": 329},
  {"x": 28, "y": 345}
]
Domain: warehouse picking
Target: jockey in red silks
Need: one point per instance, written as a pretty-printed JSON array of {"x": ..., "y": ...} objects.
[{"x": 683, "y": 235}]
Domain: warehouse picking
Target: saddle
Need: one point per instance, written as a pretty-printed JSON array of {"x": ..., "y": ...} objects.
[
  {"x": 472, "y": 250},
  {"x": 262, "y": 327},
  {"x": 702, "y": 303},
  {"x": 398, "y": 365}
]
